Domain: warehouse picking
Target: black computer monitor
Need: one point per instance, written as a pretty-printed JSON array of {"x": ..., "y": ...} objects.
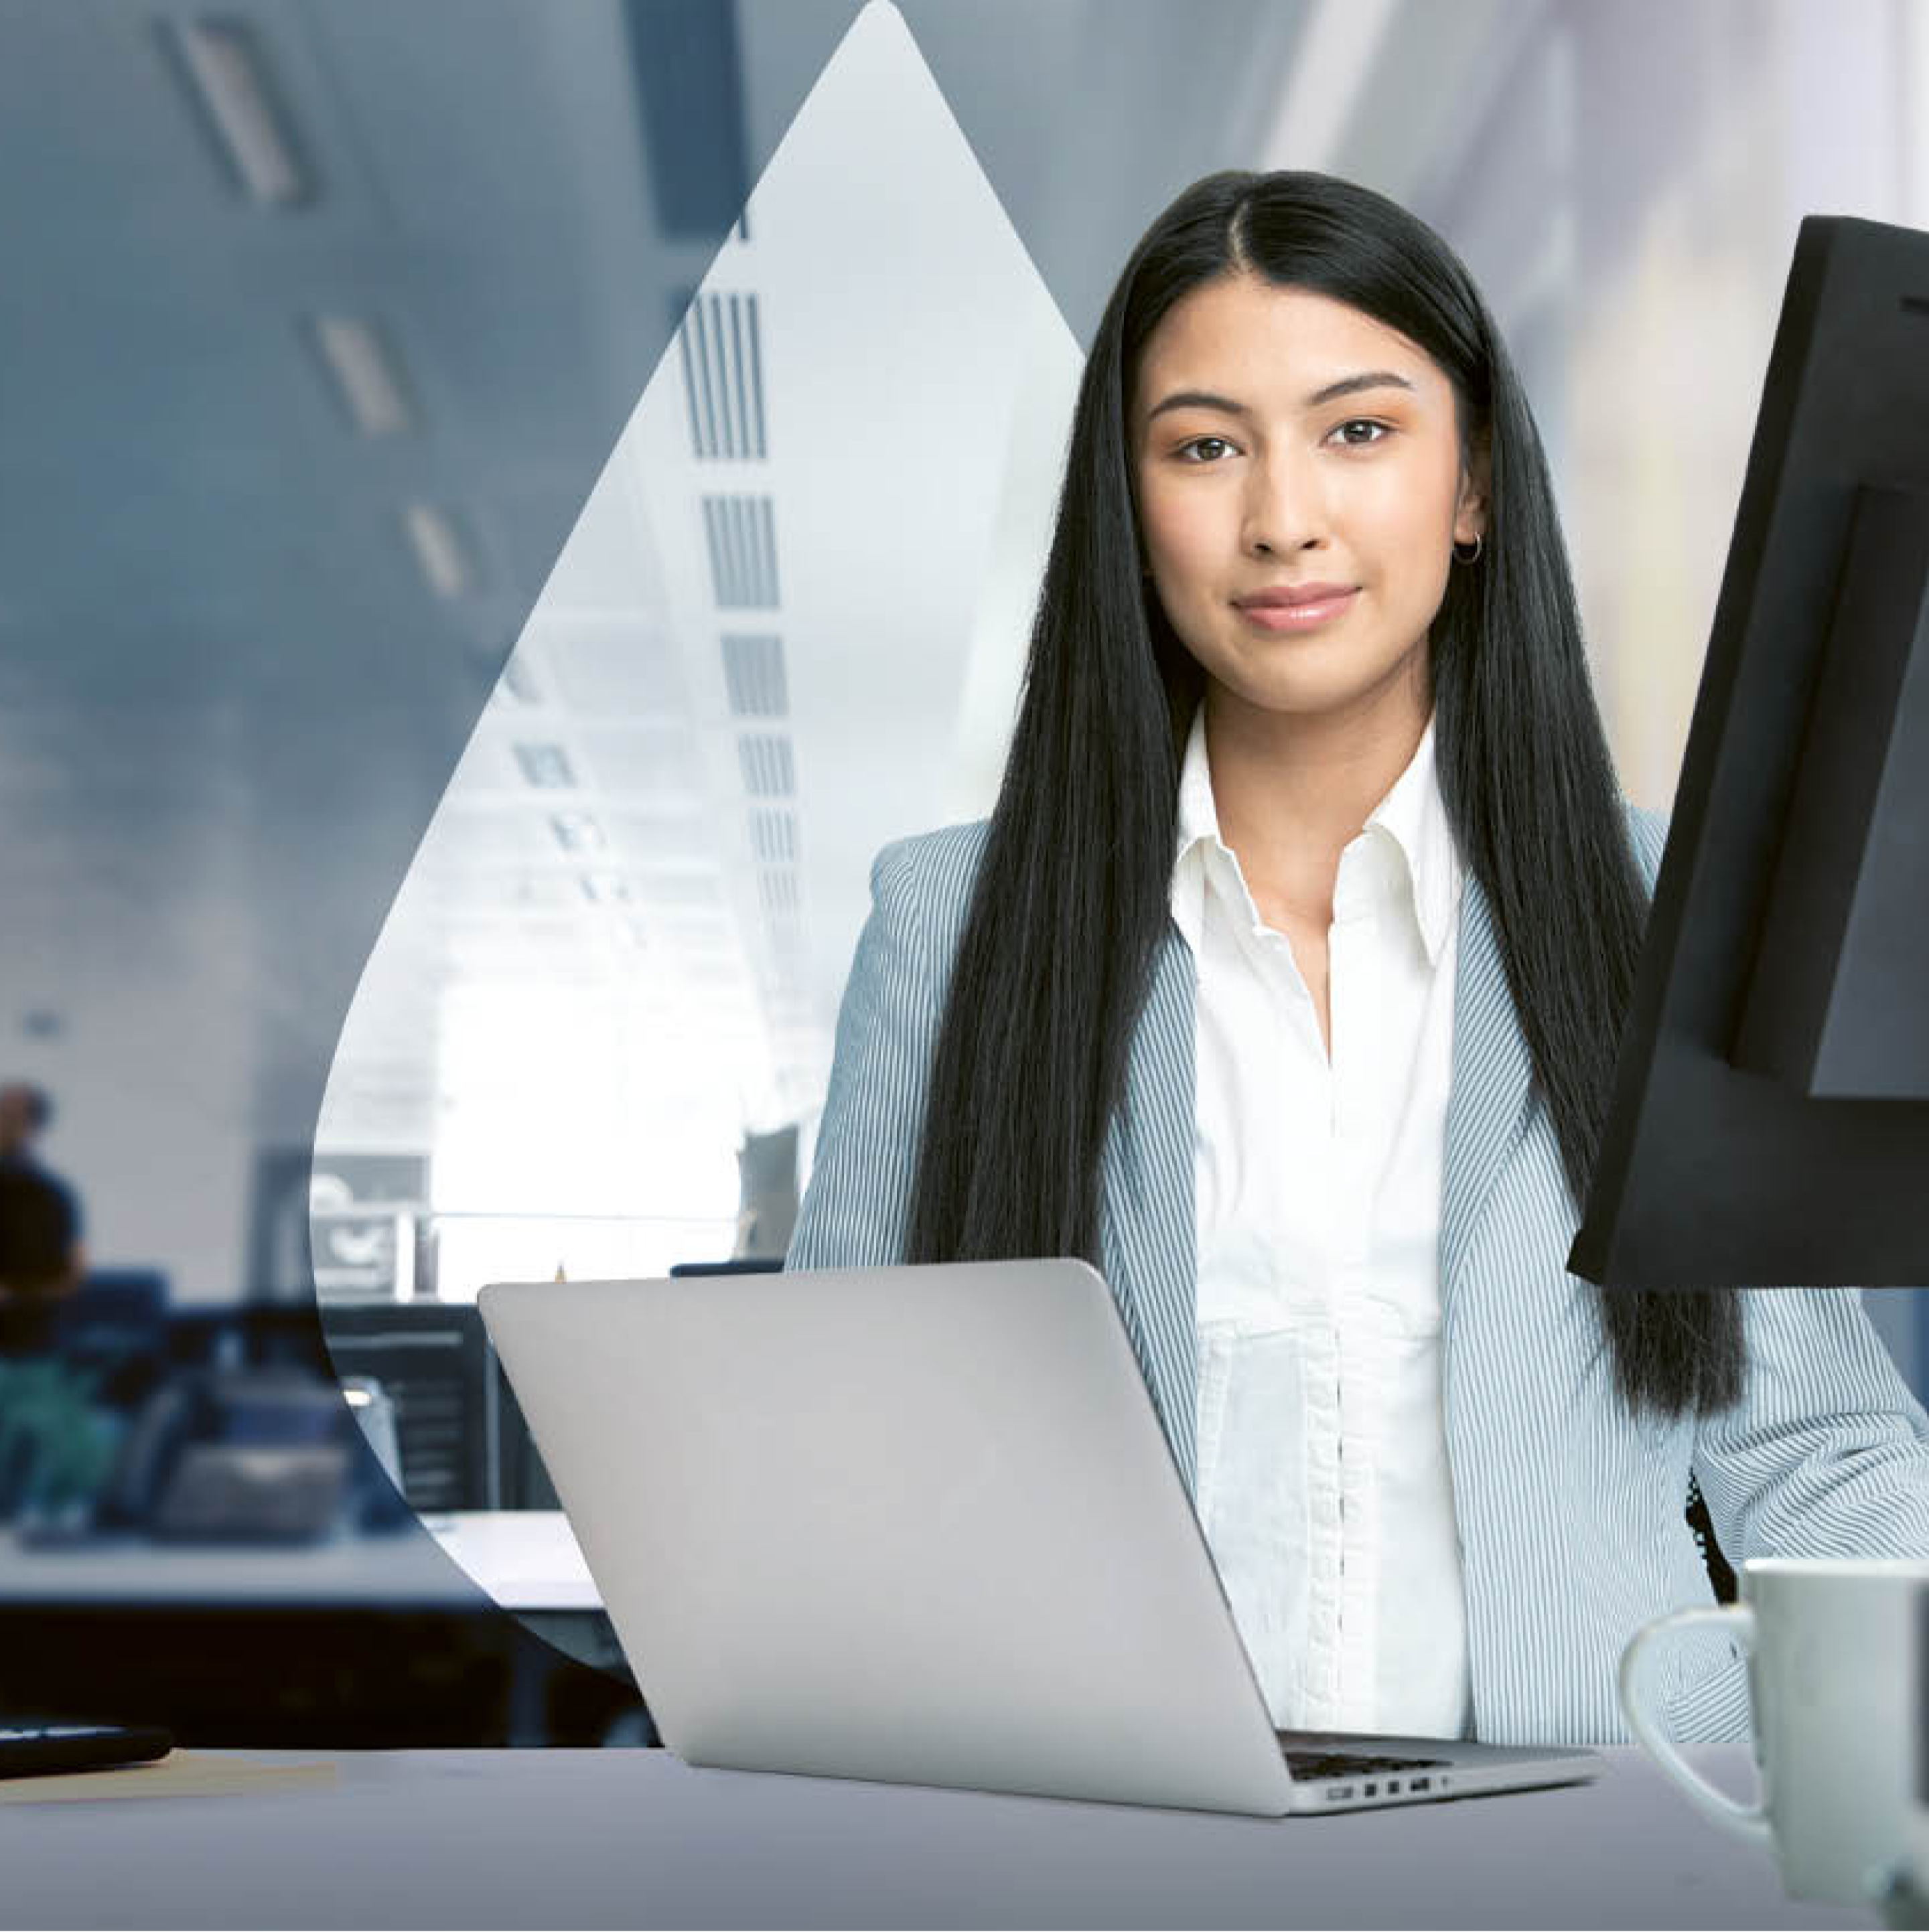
[{"x": 1770, "y": 1120}]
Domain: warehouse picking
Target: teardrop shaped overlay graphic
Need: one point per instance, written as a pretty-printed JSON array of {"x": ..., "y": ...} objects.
[{"x": 788, "y": 626}]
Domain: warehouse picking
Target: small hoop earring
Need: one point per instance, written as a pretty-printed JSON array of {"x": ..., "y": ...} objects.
[{"x": 1469, "y": 556}]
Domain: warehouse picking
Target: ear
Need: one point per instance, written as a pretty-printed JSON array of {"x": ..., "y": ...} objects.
[{"x": 1470, "y": 512}]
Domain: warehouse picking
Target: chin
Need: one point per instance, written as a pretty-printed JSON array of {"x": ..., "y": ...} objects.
[
  {"x": 1291, "y": 676},
  {"x": 1304, "y": 704},
  {"x": 1305, "y": 676}
]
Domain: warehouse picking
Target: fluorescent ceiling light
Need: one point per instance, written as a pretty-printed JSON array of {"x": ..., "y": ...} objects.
[
  {"x": 516, "y": 685},
  {"x": 371, "y": 391},
  {"x": 545, "y": 765},
  {"x": 220, "y": 61},
  {"x": 578, "y": 831},
  {"x": 606, "y": 888},
  {"x": 439, "y": 551}
]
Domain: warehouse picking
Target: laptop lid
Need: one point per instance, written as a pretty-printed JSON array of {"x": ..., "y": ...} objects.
[{"x": 918, "y": 1524}]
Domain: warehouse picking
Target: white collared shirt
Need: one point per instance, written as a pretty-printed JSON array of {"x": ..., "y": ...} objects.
[{"x": 1323, "y": 1485}]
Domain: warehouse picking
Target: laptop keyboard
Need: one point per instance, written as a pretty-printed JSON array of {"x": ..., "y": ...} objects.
[{"x": 1353, "y": 1764}]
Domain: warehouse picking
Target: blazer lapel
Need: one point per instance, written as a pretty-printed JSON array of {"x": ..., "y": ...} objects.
[
  {"x": 1147, "y": 1235},
  {"x": 1491, "y": 1077}
]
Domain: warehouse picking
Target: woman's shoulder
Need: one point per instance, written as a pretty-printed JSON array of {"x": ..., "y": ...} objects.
[
  {"x": 935, "y": 868},
  {"x": 923, "y": 884}
]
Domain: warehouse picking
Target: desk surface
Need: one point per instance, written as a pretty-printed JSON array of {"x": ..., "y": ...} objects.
[{"x": 634, "y": 1837}]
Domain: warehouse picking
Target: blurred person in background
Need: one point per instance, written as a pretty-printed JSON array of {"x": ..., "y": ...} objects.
[{"x": 41, "y": 1255}]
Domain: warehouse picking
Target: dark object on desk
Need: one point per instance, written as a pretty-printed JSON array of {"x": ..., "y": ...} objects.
[
  {"x": 34, "y": 1747},
  {"x": 744, "y": 1264},
  {"x": 1776, "y": 1055}
]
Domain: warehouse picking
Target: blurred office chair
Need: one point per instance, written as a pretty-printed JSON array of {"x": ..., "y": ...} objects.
[{"x": 114, "y": 1326}]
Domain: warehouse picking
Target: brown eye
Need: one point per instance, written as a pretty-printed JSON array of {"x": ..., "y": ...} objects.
[
  {"x": 1202, "y": 442},
  {"x": 1379, "y": 430}
]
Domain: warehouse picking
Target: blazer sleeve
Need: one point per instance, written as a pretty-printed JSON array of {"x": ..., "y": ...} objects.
[
  {"x": 856, "y": 1208},
  {"x": 1827, "y": 1453}
]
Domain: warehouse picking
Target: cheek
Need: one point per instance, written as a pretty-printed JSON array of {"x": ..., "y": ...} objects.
[
  {"x": 1409, "y": 522},
  {"x": 1180, "y": 532}
]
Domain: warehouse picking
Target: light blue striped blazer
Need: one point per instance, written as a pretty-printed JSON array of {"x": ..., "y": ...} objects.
[{"x": 1569, "y": 1510}]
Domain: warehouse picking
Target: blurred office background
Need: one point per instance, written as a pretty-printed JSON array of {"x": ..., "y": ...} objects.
[{"x": 505, "y": 506}]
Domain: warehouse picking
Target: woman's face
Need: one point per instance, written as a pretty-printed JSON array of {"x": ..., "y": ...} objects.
[{"x": 1282, "y": 440}]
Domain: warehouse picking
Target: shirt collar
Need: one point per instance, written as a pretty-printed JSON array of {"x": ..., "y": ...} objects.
[
  {"x": 1198, "y": 836},
  {"x": 1199, "y": 815},
  {"x": 1413, "y": 815}
]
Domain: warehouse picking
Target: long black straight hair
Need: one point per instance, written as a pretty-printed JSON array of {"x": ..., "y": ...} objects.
[{"x": 1073, "y": 893}]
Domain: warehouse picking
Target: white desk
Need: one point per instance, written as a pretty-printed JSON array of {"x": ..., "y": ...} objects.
[
  {"x": 525, "y": 1559},
  {"x": 633, "y": 1838}
]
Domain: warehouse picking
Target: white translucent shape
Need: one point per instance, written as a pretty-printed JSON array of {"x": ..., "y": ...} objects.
[{"x": 594, "y": 1055}]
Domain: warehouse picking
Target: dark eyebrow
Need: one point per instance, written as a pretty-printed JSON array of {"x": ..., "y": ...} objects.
[{"x": 1347, "y": 385}]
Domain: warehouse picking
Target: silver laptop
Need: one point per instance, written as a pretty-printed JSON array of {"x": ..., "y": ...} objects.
[{"x": 921, "y": 1524}]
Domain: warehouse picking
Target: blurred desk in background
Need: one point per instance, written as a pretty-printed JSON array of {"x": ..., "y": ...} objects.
[
  {"x": 399, "y": 1571},
  {"x": 525, "y": 1559},
  {"x": 522, "y": 1559},
  {"x": 357, "y": 1639}
]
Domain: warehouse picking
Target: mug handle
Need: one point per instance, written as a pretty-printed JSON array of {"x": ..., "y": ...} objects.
[{"x": 1747, "y": 1821}]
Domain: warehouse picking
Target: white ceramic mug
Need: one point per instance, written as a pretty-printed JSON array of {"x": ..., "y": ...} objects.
[{"x": 1833, "y": 1690}]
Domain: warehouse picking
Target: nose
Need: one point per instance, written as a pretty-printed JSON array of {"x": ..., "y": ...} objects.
[{"x": 1285, "y": 507}]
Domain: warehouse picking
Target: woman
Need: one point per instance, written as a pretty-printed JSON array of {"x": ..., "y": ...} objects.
[{"x": 1285, "y": 984}]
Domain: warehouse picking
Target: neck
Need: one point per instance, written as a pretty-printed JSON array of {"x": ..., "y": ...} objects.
[{"x": 1291, "y": 791}]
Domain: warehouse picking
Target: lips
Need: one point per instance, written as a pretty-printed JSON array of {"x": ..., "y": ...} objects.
[
  {"x": 1296, "y": 607},
  {"x": 1284, "y": 596}
]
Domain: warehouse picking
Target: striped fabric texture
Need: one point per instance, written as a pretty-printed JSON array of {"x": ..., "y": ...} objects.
[{"x": 1569, "y": 1509}]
